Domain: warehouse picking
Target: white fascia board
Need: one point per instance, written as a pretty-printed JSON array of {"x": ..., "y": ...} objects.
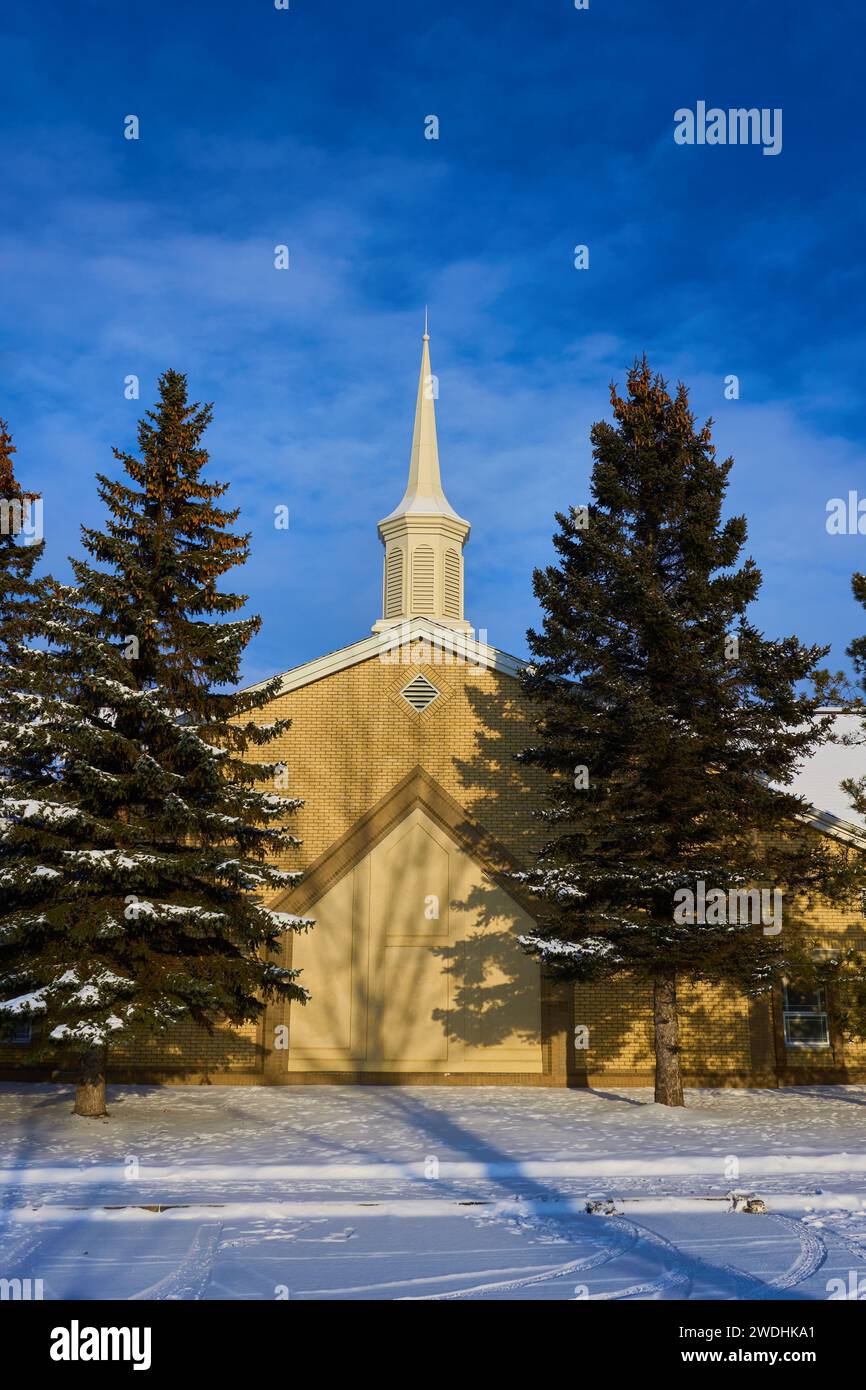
[
  {"x": 829, "y": 824},
  {"x": 387, "y": 645}
]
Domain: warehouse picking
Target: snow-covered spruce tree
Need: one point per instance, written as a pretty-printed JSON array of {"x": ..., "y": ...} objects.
[
  {"x": 24, "y": 763},
  {"x": 668, "y": 722},
  {"x": 134, "y": 894},
  {"x": 21, "y": 549}
]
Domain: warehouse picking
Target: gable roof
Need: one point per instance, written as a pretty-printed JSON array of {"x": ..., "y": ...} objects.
[
  {"x": 819, "y": 780},
  {"x": 387, "y": 646}
]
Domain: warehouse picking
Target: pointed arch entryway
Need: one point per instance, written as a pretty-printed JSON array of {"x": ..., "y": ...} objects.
[{"x": 414, "y": 966}]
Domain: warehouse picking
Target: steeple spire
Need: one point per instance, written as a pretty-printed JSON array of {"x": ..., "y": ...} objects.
[
  {"x": 424, "y": 488},
  {"x": 424, "y": 536}
]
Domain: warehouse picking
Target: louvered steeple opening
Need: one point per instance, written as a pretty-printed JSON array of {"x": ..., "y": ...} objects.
[
  {"x": 452, "y": 584},
  {"x": 394, "y": 583},
  {"x": 423, "y": 580}
]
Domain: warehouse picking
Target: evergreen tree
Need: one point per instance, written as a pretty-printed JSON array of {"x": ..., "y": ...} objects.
[
  {"x": 136, "y": 869},
  {"x": 22, "y": 762},
  {"x": 671, "y": 728}
]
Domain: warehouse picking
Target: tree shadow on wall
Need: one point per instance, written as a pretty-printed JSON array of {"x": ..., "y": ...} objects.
[
  {"x": 495, "y": 992},
  {"x": 503, "y": 794}
]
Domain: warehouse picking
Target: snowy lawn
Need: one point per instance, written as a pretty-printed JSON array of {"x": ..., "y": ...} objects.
[{"x": 396, "y": 1192}]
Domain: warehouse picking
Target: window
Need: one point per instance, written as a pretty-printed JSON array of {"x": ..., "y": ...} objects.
[
  {"x": 804, "y": 1013},
  {"x": 21, "y": 1034}
]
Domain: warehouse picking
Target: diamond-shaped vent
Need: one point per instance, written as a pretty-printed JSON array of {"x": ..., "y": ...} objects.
[{"x": 419, "y": 693}]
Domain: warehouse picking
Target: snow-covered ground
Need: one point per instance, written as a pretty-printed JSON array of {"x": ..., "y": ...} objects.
[{"x": 433, "y": 1192}]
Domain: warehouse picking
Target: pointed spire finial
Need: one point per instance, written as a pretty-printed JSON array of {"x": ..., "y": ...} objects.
[
  {"x": 423, "y": 536},
  {"x": 424, "y": 495}
]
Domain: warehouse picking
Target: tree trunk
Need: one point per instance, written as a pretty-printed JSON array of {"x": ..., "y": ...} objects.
[
  {"x": 669, "y": 1081},
  {"x": 90, "y": 1089}
]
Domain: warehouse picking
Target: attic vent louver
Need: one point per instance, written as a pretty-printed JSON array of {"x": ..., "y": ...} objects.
[{"x": 419, "y": 693}]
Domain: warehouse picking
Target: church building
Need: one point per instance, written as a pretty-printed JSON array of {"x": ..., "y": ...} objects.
[{"x": 415, "y": 818}]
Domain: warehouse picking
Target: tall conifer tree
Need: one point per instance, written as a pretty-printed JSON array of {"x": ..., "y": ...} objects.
[
  {"x": 670, "y": 725},
  {"x": 24, "y": 762},
  {"x": 135, "y": 883}
]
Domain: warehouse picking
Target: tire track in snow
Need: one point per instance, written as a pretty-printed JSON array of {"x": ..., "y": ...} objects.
[
  {"x": 679, "y": 1268},
  {"x": 626, "y": 1237},
  {"x": 508, "y": 1285},
  {"x": 16, "y": 1251},
  {"x": 192, "y": 1275},
  {"x": 812, "y": 1255},
  {"x": 673, "y": 1278},
  {"x": 623, "y": 1243},
  {"x": 858, "y": 1250}
]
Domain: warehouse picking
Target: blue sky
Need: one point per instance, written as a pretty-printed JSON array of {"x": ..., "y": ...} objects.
[{"x": 306, "y": 127}]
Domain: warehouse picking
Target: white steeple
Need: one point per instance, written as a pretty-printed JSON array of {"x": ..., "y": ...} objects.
[{"x": 423, "y": 537}]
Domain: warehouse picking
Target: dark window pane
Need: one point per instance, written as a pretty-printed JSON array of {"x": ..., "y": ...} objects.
[
  {"x": 804, "y": 1001},
  {"x": 806, "y": 1029}
]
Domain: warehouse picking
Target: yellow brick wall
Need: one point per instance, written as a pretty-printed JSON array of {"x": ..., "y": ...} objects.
[
  {"x": 831, "y": 926},
  {"x": 352, "y": 739},
  {"x": 714, "y": 1027},
  {"x": 190, "y": 1047}
]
